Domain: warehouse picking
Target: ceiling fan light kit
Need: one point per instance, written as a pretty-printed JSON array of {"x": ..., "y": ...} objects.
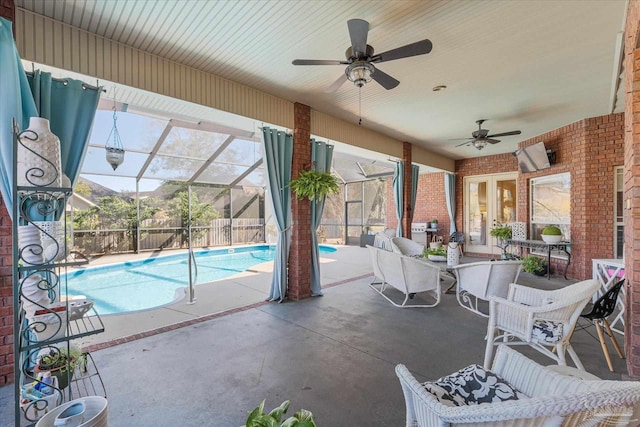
[
  {"x": 480, "y": 138},
  {"x": 360, "y": 58}
]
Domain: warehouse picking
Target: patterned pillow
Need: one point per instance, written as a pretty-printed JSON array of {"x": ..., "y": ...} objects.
[
  {"x": 472, "y": 385},
  {"x": 547, "y": 331}
]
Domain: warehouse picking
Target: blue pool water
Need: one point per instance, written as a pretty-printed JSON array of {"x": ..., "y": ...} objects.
[{"x": 143, "y": 284}]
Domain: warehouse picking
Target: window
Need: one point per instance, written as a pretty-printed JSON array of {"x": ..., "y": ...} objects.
[
  {"x": 551, "y": 204},
  {"x": 618, "y": 237}
]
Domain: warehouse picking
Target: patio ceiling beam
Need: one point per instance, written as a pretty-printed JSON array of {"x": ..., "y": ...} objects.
[
  {"x": 247, "y": 172},
  {"x": 156, "y": 148},
  {"x": 210, "y": 160}
]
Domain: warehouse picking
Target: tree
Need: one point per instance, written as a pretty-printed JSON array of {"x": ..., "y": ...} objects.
[{"x": 201, "y": 213}]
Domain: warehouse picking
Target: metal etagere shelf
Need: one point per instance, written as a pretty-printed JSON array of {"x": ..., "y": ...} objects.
[{"x": 46, "y": 320}]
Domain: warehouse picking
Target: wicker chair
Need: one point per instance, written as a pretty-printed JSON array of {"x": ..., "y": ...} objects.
[
  {"x": 483, "y": 280},
  {"x": 407, "y": 247},
  {"x": 551, "y": 399},
  {"x": 539, "y": 319}
]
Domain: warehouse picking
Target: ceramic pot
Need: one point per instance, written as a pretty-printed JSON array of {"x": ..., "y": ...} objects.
[{"x": 39, "y": 162}]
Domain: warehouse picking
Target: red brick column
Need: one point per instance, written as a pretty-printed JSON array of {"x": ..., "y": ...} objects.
[
  {"x": 632, "y": 189},
  {"x": 407, "y": 214},
  {"x": 7, "y": 11},
  {"x": 300, "y": 253}
]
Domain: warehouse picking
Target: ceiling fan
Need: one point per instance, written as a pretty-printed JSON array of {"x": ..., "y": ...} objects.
[
  {"x": 360, "y": 58},
  {"x": 480, "y": 138}
]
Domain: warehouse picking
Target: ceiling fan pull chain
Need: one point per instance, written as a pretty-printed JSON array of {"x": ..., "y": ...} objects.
[{"x": 360, "y": 105}]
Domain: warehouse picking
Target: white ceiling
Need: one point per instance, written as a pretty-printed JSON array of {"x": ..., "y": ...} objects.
[{"x": 528, "y": 65}]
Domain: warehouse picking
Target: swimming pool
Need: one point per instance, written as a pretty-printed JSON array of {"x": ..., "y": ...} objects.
[{"x": 152, "y": 282}]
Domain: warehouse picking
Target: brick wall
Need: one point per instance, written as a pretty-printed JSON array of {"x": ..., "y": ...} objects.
[
  {"x": 7, "y": 11},
  {"x": 632, "y": 188},
  {"x": 431, "y": 202},
  {"x": 300, "y": 253},
  {"x": 6, "y": 298}
]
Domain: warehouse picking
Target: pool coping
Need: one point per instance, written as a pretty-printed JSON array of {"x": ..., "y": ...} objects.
[{"x": 194, "y": 321}]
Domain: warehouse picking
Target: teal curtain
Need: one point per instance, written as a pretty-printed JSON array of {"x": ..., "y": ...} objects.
[
  {"x": 278, "y": 154},
  {"x": 450, "y": 194},
  {"x": 321, "y": 156},
  {"x": 16, "y": 103},
  {"x": 398, "y": 194},
  {"x": 415, "y": 176},
  {"x": 70, "y": 108}
]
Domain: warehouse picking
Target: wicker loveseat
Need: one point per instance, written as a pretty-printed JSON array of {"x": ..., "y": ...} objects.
[{"x": 550, "y": 399}]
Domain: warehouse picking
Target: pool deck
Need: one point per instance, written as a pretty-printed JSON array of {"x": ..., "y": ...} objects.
[{"x": 214, "y": 299}]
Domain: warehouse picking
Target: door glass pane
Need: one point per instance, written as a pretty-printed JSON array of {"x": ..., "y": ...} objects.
[
  {"x": 506, "y": 201},
  {"x": 477, "y": 213}
]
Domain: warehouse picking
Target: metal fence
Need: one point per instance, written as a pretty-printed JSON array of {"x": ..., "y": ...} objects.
[{"x": 166, "y": 235}]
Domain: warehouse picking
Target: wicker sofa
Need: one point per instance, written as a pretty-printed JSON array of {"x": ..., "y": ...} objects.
[{"x": 550, "y": 399}]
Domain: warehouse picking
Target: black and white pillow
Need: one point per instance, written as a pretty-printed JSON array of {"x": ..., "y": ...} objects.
[
  {"x": 472, "y": 385},
  {"x": 547, "y": 331}
]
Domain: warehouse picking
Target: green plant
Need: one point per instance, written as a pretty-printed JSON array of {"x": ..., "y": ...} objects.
[
  {"x": 501, "y": 231},
  {"x": 533, "y": 264},
  {"x": 435, "y": 252},
  {"x": 551, "y": 230},
  {"x": 314, "y": 185},
  {"x": 434, "y": 221},
  {"x": 61, "y": 363},
  {"x": 257, "y": 417}
]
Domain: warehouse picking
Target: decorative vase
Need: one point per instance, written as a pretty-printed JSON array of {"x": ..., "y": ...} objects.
[{"x": 39, "y": 162}]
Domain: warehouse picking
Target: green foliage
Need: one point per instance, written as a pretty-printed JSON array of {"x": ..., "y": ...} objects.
[
  {"x": 201, "y": 213},
  {"x": 314, "y": 185},
  {"x": 257, "y": 417},
  {"x": 501, "y": 231},
  {"x": 552, "y": 230},
  {"x": 112, "y": 212},
  {"x": 434, "y": 221},
  {"x": 533, "y": 264},
  {"x": 82, "y": 189},
  {"x": 59, "y": 358},
  {"x": 434, "y": 251}
]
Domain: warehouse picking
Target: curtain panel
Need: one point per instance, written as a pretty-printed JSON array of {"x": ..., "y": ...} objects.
[
  {"x": 321, "y": 156},
  {"x": 450, "y": 194},
  {"x": 398, "y": 194},
  {"x": 278, "y": 155}
]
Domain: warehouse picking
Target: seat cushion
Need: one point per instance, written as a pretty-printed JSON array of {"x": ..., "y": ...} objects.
[
  {"x": 547, "y": 331},
  {"x": 472, "y": 385}
]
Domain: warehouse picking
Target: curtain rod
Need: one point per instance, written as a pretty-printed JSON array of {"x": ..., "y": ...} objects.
[{"x": 66, "y": 81}]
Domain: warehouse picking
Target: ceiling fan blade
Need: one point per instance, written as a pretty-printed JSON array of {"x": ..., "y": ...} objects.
[
  {"x": 318, "y": 62},
  {"x": 358, "y": 30},
  {"x": 384, "y": 79},
  {"x": 336, "y": 85},
  {"x": 460, "y": 139},
  {"x": 418, "y": 48},
  {"x": 513, "y": 132},
  {"x": 464, "y": 143},
  {"x": 492, "y": 141}
]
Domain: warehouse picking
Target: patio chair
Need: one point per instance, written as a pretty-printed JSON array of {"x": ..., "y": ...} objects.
[
  {"x": 517, "y": 392},
  {"x": 539, "y": 319},
  {"x": 407, "y": 247},
  {"x": 483, "y": 280},
  {"x": 407, "y": 275},
  {"x": 382, "y": 241},
  {"x": 603, "y": 308}
]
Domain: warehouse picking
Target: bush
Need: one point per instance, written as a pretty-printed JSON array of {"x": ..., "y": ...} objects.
[{"x": 552, "y": 230}]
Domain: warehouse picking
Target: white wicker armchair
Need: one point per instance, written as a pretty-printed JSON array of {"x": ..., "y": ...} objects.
[
  {"x": 539, "y": 319},
  {"x": 551, "y": 399},
  {"x": 483, "y": 280}
]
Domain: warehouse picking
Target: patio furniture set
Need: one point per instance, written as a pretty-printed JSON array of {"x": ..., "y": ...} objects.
[{"x": 510, "y": 389}]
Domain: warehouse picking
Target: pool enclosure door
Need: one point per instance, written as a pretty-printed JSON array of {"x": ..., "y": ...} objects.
[
  {"x": 353, "y": 222},
  {"x": 488, "y": 199}
]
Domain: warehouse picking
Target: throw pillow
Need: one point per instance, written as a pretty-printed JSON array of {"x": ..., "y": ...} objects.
[{"x": 472, "y": 385}]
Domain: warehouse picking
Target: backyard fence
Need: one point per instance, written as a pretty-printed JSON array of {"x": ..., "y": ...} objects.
[{"x": 166, "y": 234}]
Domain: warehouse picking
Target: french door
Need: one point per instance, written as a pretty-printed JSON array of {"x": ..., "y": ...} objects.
[{"x": 488, "y": 199}]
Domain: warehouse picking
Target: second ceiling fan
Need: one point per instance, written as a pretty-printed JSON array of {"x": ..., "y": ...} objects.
[
  {"x": 360, "y": 58},
  {"x": 480, "y": 138}
]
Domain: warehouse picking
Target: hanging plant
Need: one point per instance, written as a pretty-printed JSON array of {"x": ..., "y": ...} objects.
[{"x": 314, "y": 185}]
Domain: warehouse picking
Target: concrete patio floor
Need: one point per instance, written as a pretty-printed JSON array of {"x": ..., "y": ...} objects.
[{"x": 334, "y": 355}]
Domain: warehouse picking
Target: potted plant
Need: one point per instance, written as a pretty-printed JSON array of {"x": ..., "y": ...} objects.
[
  {"x": 551, "y": 234},
  {"x": 534, "y": 265},
  {"x": 314, "y": 185},
  {"x": 60, "y": 362},
  {"x": 434, "y": 223},
  {"x": 502, "y": 232},
  {"x": 435, "y": 254},
  {"x": 257, "y": 417}
]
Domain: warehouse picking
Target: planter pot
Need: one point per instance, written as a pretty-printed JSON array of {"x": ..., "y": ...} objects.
[
  {"x": 543, "y": 272},
  {"x": 63, "y": 376},
  {"x": 551, "y": 239},
  {"x": 437, "y": 258}
]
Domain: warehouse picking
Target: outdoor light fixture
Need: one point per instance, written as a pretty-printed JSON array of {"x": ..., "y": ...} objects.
[
  {"x": 113, "y": 147},
  {"x": 359, "y": 73}
]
